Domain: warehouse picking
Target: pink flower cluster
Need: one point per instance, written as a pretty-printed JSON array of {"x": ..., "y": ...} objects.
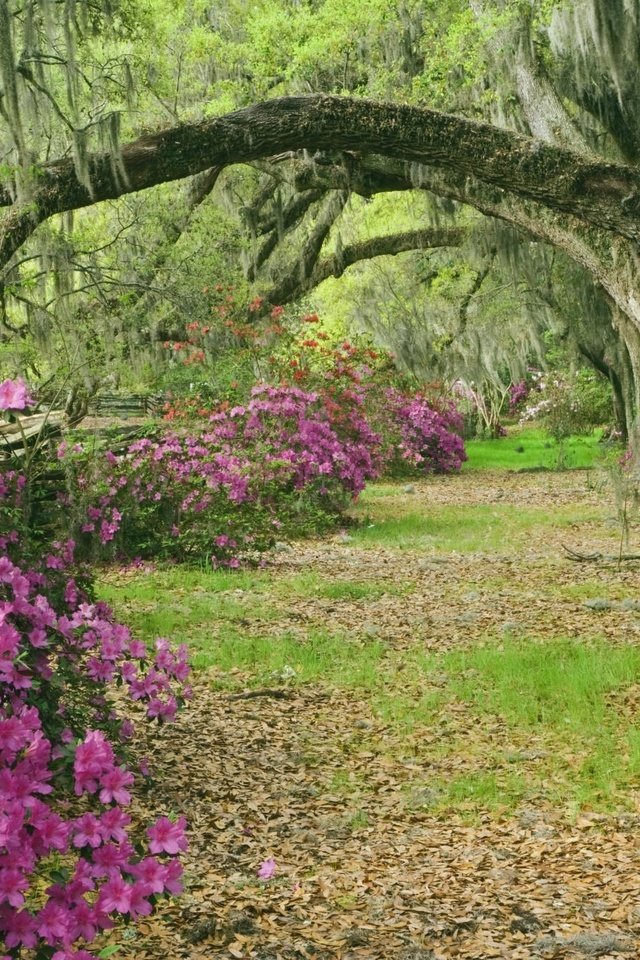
[
  {"x": 428, "y": 438},
  {"x": 68, "y": 863},
  {"x": 228, "y": 486},
  {"x": 14, "y": 395},
  {"x": 518, "y": 393}
]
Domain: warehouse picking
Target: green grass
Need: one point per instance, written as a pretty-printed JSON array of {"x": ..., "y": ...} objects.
[
  {"x": 564, "y": 696},
  {"x": 472, "y": 792},
  {"x": 531, "y": 448},
  {"x": 317, "y": 656},
  {"x": 500, "y": 528},
  {"x": 313, "y": 585},
  {"x": 194, "y": 606},
  {"x": 560, "y": 684}
]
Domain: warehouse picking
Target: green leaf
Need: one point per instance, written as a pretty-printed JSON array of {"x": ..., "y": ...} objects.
[{"x": 109, "y": 951}]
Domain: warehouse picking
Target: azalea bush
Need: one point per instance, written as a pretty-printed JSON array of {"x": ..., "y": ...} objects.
[
  {"x": 278, "y": 464},
  {"x": 72, "y": 863},
  {"x": 422, "y": 436},
  {"x": 419, "y": 432},
  {"x": 569, "y": 402},
  {"x": 286, "y": 461},
  {"x": 227, "y": 478}
]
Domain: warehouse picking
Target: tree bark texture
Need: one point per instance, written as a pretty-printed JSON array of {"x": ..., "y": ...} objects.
[
  {"x": 599, "y": 193},
  {"x": 388, "y": 245}
]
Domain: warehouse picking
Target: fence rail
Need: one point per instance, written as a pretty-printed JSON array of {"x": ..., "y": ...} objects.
[
  {"x": 18, "y": 436},
  {"x": 133, "y": 405}
]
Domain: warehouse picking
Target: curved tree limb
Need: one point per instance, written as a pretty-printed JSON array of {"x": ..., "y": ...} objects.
[
  {"x": 295, "y": 280},
  {"x": 600, "y": 193},
  {"x": 274, "y": 228},
  {"x": 385, "y": 246}
]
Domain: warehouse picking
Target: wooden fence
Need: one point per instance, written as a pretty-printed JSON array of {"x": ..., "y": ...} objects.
[
  {"x": 123, "y": 407},
  {"x": 18, "y": 436}
]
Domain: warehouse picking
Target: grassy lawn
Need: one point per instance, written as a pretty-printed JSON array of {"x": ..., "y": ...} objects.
[
  {"x": 499, "y": 721},
  {"x": 479, "y": 527},
  {"x": 531, "y": 448}
]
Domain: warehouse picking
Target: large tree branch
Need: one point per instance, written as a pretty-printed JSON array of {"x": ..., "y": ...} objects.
[
  {"x": 385, "y": 246},
  {"x": 613, "y": 265},
  {"x": 388, "y": 245},
  {"x": 294, "y": 282},
  {"x": 602, "y": 194}
]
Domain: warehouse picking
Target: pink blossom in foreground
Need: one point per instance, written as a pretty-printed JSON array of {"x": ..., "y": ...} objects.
[
  {"x": 14, "y": 395},
  {"x": 166, "y": 836},
  {"x": 268, "y": 869}
]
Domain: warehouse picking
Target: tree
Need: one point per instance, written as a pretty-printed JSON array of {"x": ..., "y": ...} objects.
[{"x": 574, "y": 184}]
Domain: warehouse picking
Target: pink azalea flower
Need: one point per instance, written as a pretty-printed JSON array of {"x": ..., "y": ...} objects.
[
  {"x": 166, "y": 836},
  {"x": 115, "y": 896},
  {"x": 268, "y": 869},
  {"x": 12, "y": 883},
  {"x": 87, "y": 831},
  {"x": 14, "y": 395},
  {"x": 113, "y": 786}
]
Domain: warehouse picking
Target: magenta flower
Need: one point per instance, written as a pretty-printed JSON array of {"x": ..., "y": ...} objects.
[
  {"x": 166, "y": 836},
  {"x": 115, "y": 896},
  {"x": 14, "y": 395},
  {"x": 12, "y": 885},
  {"x": 268, "y": 869},
  {"x": 88, "y": 832},
  {"x": 113, "y": 786},
  {"x": 152, "y": 873}
]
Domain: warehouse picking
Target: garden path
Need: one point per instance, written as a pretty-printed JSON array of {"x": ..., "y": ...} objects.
[{"x": 376, "y": 855}]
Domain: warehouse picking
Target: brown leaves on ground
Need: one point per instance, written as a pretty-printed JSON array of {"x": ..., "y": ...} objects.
[{"x": 365, "y": 869}]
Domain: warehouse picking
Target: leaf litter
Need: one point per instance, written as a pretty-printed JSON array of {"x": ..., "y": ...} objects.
[{"x": 316, "y": 828}]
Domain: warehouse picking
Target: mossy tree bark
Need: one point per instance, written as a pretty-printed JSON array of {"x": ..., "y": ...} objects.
[{"x": 586, "y": 206}]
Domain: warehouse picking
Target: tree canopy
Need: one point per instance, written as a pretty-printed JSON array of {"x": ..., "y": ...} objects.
[{"x": 276, "y": 115}]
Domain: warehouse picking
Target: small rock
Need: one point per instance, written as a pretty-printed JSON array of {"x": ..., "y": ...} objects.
[
  {"x": 363, "y": 725},
  {"x": 409, "y": 488},
  {"x": 470, "y": 597},
  {"x": 629, "y": 604},
  {"x": 287, "y": 673},
  {"x": 512, "y": 626},
  {"x": 468, "y": 617},
  {"x": 598, "y": 603},
  {"x": 370, "y": 629},
  {"x": 281, "y": 547}
]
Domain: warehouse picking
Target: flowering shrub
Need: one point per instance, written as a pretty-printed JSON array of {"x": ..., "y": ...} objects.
[
  {"x": 425, "y": 438},
  {"x": 228, "y": 486},
  {"x": 69, "y": 868},
  {"x": 570, "y": 402},
  {"x": 365, "y": 419},
  {"x": 71, "y": 863},
  {"x": 518, "y": 393}
]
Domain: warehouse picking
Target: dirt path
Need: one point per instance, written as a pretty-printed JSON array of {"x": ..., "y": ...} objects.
[{"x": 340, "y": 800}]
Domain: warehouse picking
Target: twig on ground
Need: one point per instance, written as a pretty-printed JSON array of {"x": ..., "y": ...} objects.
[
  {"x": 276, "y": 693},
  {"x": 593, "y": 557}
]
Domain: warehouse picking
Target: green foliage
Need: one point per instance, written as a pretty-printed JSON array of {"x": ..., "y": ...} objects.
[
  {"x": 438, "y": 529},
  {"x": 530, "y": 448}
]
